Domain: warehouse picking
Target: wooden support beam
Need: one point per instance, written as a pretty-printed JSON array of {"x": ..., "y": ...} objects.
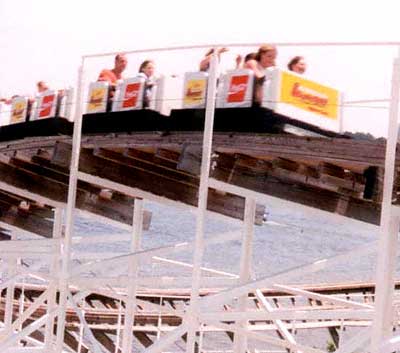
[
  {"x": 150, "y": 167},
  {"x": 162, "y": 157},
  {"x": 37, "y": 335},
  {"x": 31, "y": 182},
  {"x": 333, "y": 165},
  {"x": 25, "y": 214},
  {"x": 73, "y": 343},
  {"x": 121, "y": 171},
  {"x": 143, "y": 338},
  {"x": 342, "y": 178},
  {"x": 140, "y": 154},
  {"x": 168, "y": 154},
  {"x": 293, "y": 185},
  {"x": 105, "y": 341},
  {"x": 26, "y": 221},
  {"x": 333, "y": 331},
  {"x": 285, "y": 163},
  {"x": 53, "y": 185},
  {"x": 26, "y": 164},
  {"x": 4, "y": 234}
]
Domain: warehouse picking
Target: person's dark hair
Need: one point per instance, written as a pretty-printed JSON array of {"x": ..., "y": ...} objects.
[
  {"x": 144, "y": 64},
  {"x": 293, "y": 62},
  {"x": 119, "y": 56},
  {"x": 263, "y": 49},
  {"x": 250, "y": 56}
]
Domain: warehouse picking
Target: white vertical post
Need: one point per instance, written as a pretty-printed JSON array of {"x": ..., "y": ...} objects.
[
  {"x": 341, "y": 112},
  {"x": 118, "y": 331},
  {"x": 201, "y": 337},
  {"x": 159, "y": 320},
  {"x": 240, "y": 341},
  {"x": 70, "y": 211},
  {"x": 341, "y": 332},
  {"x": 21, "y": 302},
  {"x": 385, "y": 271},
  {"x": 133, "y": 270},
  {"x": 81, "y": 331},
  {"x": 8, "y": 314},
  {"x": 202, "y": 202},
  {"x": 54, "y": 268},
  {"x": 10, "y": 296}
]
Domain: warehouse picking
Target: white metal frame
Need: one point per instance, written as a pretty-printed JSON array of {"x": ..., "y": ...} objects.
[{"x": 202, "y": 314}]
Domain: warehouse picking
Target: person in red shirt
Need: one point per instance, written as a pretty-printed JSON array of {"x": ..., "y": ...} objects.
[{"x": 115, "y": 74}]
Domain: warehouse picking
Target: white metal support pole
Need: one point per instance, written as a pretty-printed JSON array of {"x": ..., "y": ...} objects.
[
  {"x": 21, "y": 303},
  {"x": 81, "y": 331},
  {"x": 341, "y": 112},
  {"x": 201, "y": 338},
  {"x": 159, "y": 320},
  {"x": 202, "y": 202},
  {"x": 54, "y": 269},
  {"x": 240, "y": 341},
  {"x": 70, "y": 212},
  {"x": 385, "y": 271},
  {"x": 118, "y": 332},
  {"x": 133, "y": 270},
  {"x": 8, "y": 315}
]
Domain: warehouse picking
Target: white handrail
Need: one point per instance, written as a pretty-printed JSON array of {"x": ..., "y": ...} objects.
[{"x": 214, "y": 45}]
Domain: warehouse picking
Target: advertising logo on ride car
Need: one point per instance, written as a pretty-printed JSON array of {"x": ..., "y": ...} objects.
[
  {"x": 131, "y": 95},
  {"x": 46, "y": 105},
  {"x": 309, "y": 95},
  {"x": 18, "y": 111},
  {"x": 195, "y": 91},
  {"x": 237, "y": 88},
  {"x": 97, "y": 97}
]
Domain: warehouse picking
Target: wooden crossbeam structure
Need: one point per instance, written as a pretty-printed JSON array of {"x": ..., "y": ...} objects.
[
  {"x": 330, "y": 173},
  {"x": 160, "y": 312},
  {"x": 338, "y": 175}
]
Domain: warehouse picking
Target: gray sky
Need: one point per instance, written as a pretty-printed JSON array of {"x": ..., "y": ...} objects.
[{"x": 44, "y": 39}]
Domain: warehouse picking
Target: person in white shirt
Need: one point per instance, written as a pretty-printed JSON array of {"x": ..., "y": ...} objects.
[
  {"x": 264, "y": 60},
  {"x": 146, "y": 70}
]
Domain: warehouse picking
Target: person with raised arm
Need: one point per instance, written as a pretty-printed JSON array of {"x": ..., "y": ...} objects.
[
  {"x": 248, "y": 57},
  {"x": 206, "y": 61},
  {"x": 264, "y": 60}
]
